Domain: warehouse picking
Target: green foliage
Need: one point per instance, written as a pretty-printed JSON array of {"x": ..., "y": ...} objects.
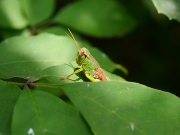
[
  {"x": 128, "y": 108},
  {"x": 46, "y": 114},
  {"x": 8, "y": 97},
  {"x": 171, "y": 8},
  {"x": 37, "y": 11},
  {"x": 11, "y": 19},
  {"x": 35, "y": 53}
]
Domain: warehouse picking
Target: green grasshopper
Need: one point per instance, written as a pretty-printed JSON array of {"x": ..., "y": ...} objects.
[{"x": 88, "y": 64}]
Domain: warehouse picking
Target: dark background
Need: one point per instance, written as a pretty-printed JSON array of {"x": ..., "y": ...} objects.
[{"x": 151, "y": 52}]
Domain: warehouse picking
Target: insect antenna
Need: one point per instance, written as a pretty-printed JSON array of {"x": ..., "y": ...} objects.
[{"x": 73, "y": 39}]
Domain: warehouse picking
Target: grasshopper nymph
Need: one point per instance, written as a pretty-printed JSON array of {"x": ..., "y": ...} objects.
[{"x": 88, "y": 64}]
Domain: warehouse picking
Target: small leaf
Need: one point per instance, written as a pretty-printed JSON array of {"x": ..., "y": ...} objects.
[
  {"x": 113, "y": 107},
  {"x": 8, "y": 97},
  {"x": 99, "y": 18},
  {"x": 11, "y": 15},
  {"x": 43, "y": 113},
  {"x": 38, "y": 10},
  {"x": 170, "y": 8}
]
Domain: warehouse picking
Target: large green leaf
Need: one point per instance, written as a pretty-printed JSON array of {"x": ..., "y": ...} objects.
[
  {"x": 100, "y": 18},
  {"x": 38, "y": 10},
  {"x": 8, "y": 97},
  {"x": 26, "y": 56},
  {"x": 38, "y": 113},
  {"x": 113, "y": 108},
  {"x": 170, "y": 8},
  {"x": 11, "y": 15}
]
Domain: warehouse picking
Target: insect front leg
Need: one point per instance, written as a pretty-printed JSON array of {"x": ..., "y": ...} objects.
[{"x": 75, "y": 72}]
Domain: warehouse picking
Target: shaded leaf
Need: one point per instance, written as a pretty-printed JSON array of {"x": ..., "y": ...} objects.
[
  {"x": 55, "y": 30},
  {"x": 7, "y": 33},
  {"x": 102, "y": 18},
  {"x": 113, "y": 107},
  {"x": 46, "y": 86},
  {"x": 43, "y": 113},
  {"x": 38, "y": 10},
  {"x": 54, "y": 73},
  {"x": 8, "y": 97},
  {"x": 11, "y": 15},
  {"x": 170, "y": 8}
]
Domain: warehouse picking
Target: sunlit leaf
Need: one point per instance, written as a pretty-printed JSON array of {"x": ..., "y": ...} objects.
[
  {"x": 170, "y": 8},
  {"x": 11, "y": 15},
  {"x": 26, "y": 56}
]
